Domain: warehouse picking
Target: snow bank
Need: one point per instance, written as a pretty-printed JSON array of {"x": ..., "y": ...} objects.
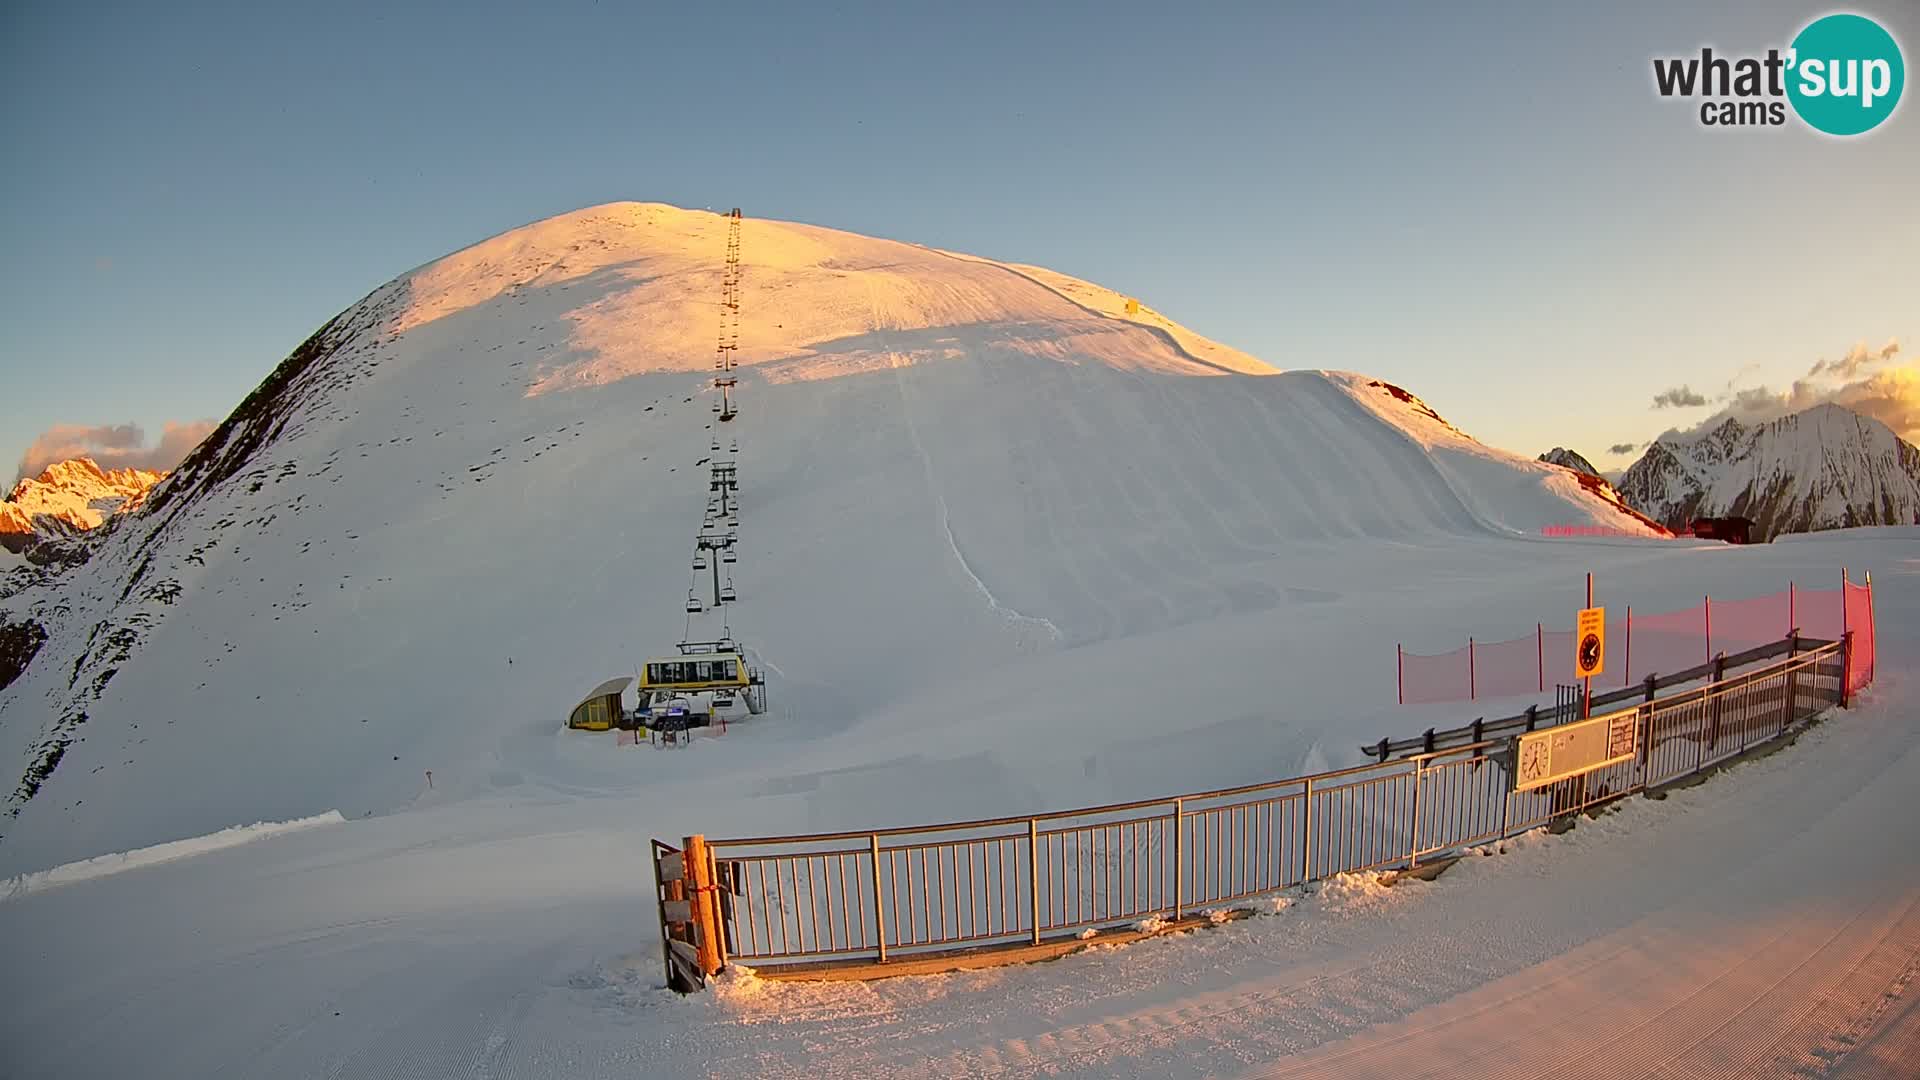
[{"x": 102, "y": 865}]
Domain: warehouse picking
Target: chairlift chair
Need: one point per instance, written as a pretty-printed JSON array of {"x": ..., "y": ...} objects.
[
  {"x": 727, "y": 555},
  {"x": 699, "y": 560},
  {"x": 693, "y": 604},
  {"x": 726, "y": 593}
]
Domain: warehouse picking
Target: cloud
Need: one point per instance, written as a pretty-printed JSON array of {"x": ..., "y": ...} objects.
[
  {"x": 1890, "y": 394},
  {"x": 1857, "y": 359},
  {"x": 1623, "y": 448},
  {"x": 114, "y": 446},
  {"x": 1680, "y": 397}
]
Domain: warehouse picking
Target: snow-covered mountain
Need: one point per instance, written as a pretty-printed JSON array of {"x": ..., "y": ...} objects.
[
  {"x": 67, "y": 499},
  {"x": 1560, "y": 455},
  {"x": 472, "y": 495},
  {"x": 1824, "y": 468}
]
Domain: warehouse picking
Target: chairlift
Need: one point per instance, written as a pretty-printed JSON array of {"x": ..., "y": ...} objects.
[
  {"x": 693, "y": 603},
  {"x": 726, "y": 593},
  {"x": 699, "y": 560},
  {"x": 727, "y": 555}
]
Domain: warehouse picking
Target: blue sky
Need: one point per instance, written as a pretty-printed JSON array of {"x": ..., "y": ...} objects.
[{"x": 1487, "y": 203}]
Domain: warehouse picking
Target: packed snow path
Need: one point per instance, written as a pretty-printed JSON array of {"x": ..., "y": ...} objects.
[{"x": 1765, "y": 923}]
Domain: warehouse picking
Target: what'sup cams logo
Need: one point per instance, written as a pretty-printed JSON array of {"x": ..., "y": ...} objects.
[{"x": 1842, "y": 75}]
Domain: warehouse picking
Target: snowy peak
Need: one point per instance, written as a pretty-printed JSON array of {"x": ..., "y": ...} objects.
[
  {"x": 1824, "y": 468},
  {"x": 1560, "y": 455},
  {"x": 628, "y": 289},
  {"x": 69, "y": 498}
]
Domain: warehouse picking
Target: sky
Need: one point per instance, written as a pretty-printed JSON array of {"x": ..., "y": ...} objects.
[{"x": 1487, "y": 204}]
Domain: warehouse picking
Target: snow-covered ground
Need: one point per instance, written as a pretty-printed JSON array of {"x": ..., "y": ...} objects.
[
  {"x": 1007, "y": 546},
  {"x": 1766, "y": 921}
]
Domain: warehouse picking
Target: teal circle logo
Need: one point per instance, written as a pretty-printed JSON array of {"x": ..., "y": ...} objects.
[{"x": 1845, "y": 74}]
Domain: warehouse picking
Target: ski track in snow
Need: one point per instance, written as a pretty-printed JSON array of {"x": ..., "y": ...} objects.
[{"x": 895, "y": 362}]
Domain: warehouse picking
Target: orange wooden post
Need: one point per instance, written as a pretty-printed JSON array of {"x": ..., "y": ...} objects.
[{"x": 706, "y": 913}]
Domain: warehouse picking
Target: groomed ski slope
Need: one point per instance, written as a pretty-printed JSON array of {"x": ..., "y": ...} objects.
[
  {"x": 987, "y": 514},
  {"x": 1764, "y": 923}
]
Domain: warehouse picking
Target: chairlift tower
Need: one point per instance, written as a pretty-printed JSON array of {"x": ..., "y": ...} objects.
[{"x": 716, "y": 545}]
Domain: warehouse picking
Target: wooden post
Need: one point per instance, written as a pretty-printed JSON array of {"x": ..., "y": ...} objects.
[{"x": 706, "y": 916}]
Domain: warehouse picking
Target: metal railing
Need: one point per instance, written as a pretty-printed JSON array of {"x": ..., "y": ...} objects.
[
  {"x": 1535, "y": 717},
  {"x": 892, "y": 893}
]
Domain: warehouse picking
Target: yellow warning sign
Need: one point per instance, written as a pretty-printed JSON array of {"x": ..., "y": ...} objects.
[{"x": 1590, "y": 642}]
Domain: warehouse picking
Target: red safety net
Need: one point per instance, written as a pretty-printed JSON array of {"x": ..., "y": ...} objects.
[
  {"x": 1859, "y": 615},
  {"x": 1446, "y": 677},
  {"x": 1639, "y": 645},
  {"x": 1505, "y": 668},
  {"x": 1819, "y": 613}
]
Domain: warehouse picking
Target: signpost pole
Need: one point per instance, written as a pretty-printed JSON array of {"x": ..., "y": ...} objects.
[{"x": 1586, "y": 690}]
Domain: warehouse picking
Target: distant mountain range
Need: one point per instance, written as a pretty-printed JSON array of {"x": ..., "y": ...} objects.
[
  {"x": 68, "y": 499},
  {"x": 1825, "y": 468}
]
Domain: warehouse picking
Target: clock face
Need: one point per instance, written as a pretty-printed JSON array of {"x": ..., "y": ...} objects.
[
  {"x": 1534, "y": 759},
  {"x": 1589, "y": 653}
]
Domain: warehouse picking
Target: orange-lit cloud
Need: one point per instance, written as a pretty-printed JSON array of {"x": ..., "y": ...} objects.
[
  {"x": 1869, "y": 381},
  {"x": 114, "y": 446}
]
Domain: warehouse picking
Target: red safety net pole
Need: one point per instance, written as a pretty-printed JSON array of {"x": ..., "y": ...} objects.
[
  {"x": 1843, "y": 602},
  {"x": 1846, "y": 652},
  {"x": 1873, "y": 632}
]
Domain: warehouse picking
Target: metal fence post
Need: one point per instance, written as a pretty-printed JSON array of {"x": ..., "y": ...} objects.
[
  {"x": 1179, "y": 880},
  {"x": 1413, "y": 829},
  {"x": 1793, "y": 650},
  {"x": 879, "y": 908},
  {"x": 1306, "y": 831},
  {"x": 1846, "y": 657},
  {"x": 1033, "y": 875}
]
